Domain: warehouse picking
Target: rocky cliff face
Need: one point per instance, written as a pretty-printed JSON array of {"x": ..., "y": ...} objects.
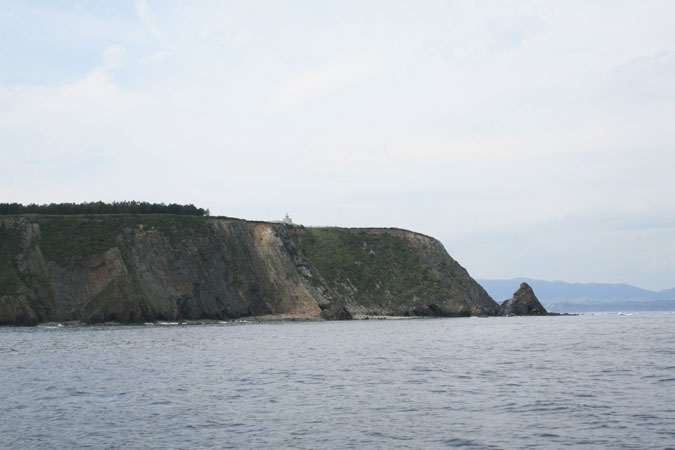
[
  {"x": 144, "y": 268},
  {"x": 392, "y": 272},
  {"x": 523, "y": 303}
]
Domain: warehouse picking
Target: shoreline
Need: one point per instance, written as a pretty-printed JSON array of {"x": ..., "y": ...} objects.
[{"x": 267, "y": 318}]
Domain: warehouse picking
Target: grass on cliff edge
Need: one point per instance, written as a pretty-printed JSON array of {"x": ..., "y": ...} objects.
[
  {"x": 62, "y": 237},
  {"x": 366, "y": 260}
]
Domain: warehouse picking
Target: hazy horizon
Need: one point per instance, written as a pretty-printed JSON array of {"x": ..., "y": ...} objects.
[
  {"x": 572, "y": 283},
  {"x": 533, "y": 139}
]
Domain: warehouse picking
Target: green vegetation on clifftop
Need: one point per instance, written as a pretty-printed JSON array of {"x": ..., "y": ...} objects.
[
  {"x": 124, "y": 207},
  {"x": 62, "y": 237},
  {"x": 371, "y": 261}
]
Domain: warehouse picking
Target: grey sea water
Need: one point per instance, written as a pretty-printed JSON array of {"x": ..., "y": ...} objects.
[{"x": 591, "y": 381}]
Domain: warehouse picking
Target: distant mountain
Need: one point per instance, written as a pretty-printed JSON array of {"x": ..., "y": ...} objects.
[
  {"x": 666, "y": 294},
  {"x": 559, "y": 296}
]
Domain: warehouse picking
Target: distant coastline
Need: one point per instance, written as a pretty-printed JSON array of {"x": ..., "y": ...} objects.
[{"x": 559, "y": 296}]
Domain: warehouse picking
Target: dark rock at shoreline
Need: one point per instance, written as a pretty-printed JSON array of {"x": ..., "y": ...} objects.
[{"x": 523, "y": 303}]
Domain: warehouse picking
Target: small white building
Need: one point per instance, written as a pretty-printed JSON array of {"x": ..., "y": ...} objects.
[{"x": 287, "y": 220}]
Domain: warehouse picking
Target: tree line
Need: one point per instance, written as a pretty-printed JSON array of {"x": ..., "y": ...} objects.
[{"x": 126, "y": 207}]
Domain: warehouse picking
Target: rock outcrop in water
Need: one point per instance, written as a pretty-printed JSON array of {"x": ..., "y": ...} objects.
[
  {"x": 523, "y": 303},
  {"x": 136, "y": 268}
]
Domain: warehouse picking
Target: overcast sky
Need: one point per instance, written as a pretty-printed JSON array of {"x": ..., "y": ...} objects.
[{"x": 532, "y": 138}]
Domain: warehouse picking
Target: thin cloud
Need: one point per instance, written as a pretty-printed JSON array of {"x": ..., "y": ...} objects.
[
  {"x": 144, "y": 16},
  {"x": 114, "y": 57},
  {"x": 319, "y": 81}
]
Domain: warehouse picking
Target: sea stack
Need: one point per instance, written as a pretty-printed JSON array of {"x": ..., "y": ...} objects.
[{"x": 523, "y": 303}]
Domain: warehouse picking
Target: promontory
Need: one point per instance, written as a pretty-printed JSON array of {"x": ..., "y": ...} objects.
[{"x": 132, "y": 268}]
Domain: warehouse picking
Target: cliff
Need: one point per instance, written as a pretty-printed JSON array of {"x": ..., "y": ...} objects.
[
  {"x": 392, "y": 272},
  {"x": 135, "y": 268}
]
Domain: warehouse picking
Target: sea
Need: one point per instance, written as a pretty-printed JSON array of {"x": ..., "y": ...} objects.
[{"x": 591, "y": 381}]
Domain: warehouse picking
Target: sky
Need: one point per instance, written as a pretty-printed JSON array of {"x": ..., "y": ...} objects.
[{"x": 532, "y": 138}]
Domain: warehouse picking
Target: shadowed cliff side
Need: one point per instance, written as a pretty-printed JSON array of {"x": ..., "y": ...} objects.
[
  {"x": 143, "y": 268},
  {"x": 136, "y": 268}
]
